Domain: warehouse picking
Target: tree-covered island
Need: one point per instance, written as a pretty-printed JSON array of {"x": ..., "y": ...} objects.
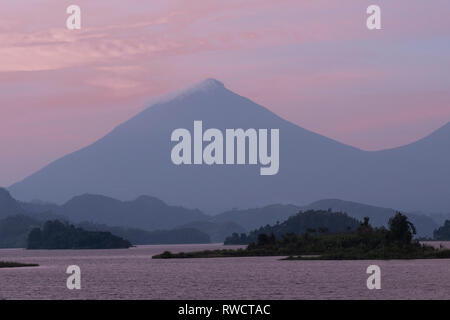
[
  {"x": 362, "y": 242},
  {"x": 59, "y": 235}
]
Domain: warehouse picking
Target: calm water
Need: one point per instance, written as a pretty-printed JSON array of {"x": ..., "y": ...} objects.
[{"x": 132, "y": 274}]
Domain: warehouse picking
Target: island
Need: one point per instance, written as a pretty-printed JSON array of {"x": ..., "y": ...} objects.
[
  {"x": 7, "y": 264},
  {"x": 55, "y": 234},
  {"x": 364, "y": 242}
]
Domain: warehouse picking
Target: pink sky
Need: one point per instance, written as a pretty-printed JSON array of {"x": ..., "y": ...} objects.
[{"x": 311, "y": 62}]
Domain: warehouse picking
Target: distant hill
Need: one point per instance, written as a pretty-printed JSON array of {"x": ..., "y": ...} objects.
[
  {"x": 217, "y": 231},
  {"x": 312, "y": 221},
  {"x": 8, "y": 205},
  {"x": 142, "y": 214},
  {"x": 378, "y": 216},
  {"x": 145, "y": 212},
  {"x": 254, "y": 218},
  {"x": 17, "y": 219},
  {"x": 14, "y": 230},
  {"x": 42, "y": 210},
  {"x": 141, "y": 237},
  {"x": 439, "y": 218},
  {"x": 149, "y": 213},
  {"x": 11, "y": 207}
]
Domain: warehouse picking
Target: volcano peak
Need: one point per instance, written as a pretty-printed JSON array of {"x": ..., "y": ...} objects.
[{"x": 206, "y": 85}]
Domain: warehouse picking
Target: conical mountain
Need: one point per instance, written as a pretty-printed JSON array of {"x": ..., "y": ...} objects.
[{"x": 135, "y": 159}]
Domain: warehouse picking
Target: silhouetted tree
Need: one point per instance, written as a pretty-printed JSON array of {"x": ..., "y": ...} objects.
[
  {"x": 34, "y": 238},
  {"x": 264, "y": 239},
  {"x": 323, "y": 230},
  {"x": 443, "y": 233},
  {"x": 400, "y": 229}
]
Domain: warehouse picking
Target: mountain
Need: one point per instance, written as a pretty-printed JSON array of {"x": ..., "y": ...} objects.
[
  {"x": 39, "y": 207},
  {"x": 144, "y": 212},
  {"x": 439, "y": 218},
  {"x": 11, "y": 207},
  {"x": 14, "y": 230},
  {"x": 142, "y": 237},
  {"x": 415, "y": 177},
  {"x": 150, "y": 214},
  {"x": 135, "y": 159},
  {"x": 217, "y": 231},
  {"x": 132, "y": 219},
  {"x": 256, "y": 217},
  {"x": 8, "y": 205}
]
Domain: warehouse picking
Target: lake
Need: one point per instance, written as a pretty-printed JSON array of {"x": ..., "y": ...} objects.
[{"x": 133, "y": 274}]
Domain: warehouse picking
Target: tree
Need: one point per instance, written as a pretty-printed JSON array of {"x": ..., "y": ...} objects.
[
  {"x": 365, "y": 227},
  {"x": 400, "y": 229},
  {"x": 443, "y": 233},
  {"x": 264, "y": 239},
  {"x": 34, "y": 238},
  {"x": 366, "y": 221},
  {"x": 323, "y": 230}
]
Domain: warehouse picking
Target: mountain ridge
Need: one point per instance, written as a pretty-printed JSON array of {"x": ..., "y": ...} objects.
[
  {"x": 134, "y": 159},
  {"x": 86, "y": 208}
]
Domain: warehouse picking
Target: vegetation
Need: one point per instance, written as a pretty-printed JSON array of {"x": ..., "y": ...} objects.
[
  {"x": 203, "y": 254},
  {"x": 311, "y": 221},
  {"x": 5, "y": 264},
  {"x": 57, "y": 235},
  {"x": 365, "y": 242},
  {"x": 443, "y": 233}
]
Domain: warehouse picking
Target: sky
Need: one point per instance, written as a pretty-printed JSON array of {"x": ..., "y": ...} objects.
[{"x": 314, "y": 63}]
